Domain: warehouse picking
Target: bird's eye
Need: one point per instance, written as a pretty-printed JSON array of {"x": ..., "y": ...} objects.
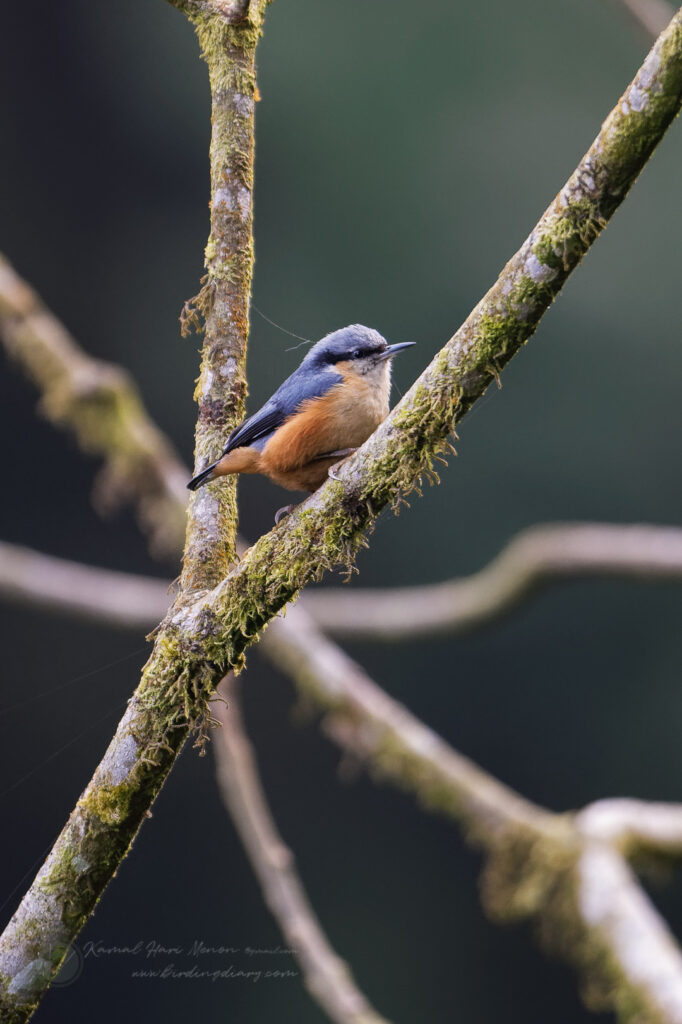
[{"x": 355, "y": 354}]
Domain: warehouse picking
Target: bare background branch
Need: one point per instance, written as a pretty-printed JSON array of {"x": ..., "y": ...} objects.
[
  {"x": 650, "y": 16},
  {"x": 327, "y": 977},
  {"x": 536, "y": 557},
  {"x": 99, "y": 404},
  {"x": 539, "y": 555}
]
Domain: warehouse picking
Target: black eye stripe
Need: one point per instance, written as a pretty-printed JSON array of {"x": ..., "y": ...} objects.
[{"x": 356, "y": 353}]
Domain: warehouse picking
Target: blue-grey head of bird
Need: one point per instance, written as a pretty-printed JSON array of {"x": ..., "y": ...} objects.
[{"x": 358, "y": 349}]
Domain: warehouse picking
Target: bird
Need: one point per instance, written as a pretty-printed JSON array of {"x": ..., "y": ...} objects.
[{"x": 320, "y": 415}]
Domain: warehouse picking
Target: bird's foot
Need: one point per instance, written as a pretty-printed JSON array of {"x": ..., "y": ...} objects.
[
  {"x": 283, "y": 511},
  {"x": 342, "y": 454}
]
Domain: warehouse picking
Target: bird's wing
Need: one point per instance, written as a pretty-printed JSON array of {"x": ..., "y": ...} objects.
[
  {"x": 295, "y": 390},
  {"x": 263, "y": 422}
]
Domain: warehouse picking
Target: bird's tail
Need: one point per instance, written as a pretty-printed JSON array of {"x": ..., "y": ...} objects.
[{"x": 202, "y": 478}]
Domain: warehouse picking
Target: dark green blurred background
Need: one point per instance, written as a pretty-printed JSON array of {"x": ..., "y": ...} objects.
[{"x": 403, "y": 153}]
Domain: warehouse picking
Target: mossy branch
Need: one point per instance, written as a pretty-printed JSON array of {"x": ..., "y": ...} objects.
[
  {"x": 228, "y": 32},
  {"x": 133, "y": 602},
  {"x": 208, "y": 635},
  {"x": 105, "y": 821}
]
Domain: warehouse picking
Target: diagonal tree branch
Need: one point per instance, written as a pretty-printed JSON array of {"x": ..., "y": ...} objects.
[
  {"x": 330, "y": 526},
  {"x": 327, "y": 977},
  {"x": 202, "y": 639},
  {"x": 131, "y": 602},
  {"x": 566, "y": 874}
]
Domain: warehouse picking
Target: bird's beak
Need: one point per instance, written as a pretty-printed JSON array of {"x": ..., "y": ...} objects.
[{"x": 393, "y": 350}]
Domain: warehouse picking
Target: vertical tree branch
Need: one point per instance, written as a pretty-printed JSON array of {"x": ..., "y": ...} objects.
[
  {"x": 109, "y": 813},
  {"x": 229, "y": 49}
]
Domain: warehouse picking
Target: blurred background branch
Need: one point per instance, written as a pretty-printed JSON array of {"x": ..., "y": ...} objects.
[
  {"x": 618, "y": 941},
  {"x": 634, "y": 826},
  {"x": 327, "y": 977},
  {"x": 539, "y": 555},
  {"x": 650, "y": 16},
  {"x": 99, "y": 404},
  {"x": 360, "y": 716}
]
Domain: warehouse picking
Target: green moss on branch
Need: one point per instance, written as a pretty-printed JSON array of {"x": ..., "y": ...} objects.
[{"x": 228, "y": 45}]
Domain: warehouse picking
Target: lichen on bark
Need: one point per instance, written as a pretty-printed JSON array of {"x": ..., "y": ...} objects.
[{"x": 222, "y": 306}]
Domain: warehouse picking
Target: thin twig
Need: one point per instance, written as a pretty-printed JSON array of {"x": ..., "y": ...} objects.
[{"x": 327, "y": 977}]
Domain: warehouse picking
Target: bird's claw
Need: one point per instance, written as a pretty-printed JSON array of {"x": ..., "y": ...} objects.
[
  {"x": 343, "y": 453},
  {"x": 283, "y": 511}
]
